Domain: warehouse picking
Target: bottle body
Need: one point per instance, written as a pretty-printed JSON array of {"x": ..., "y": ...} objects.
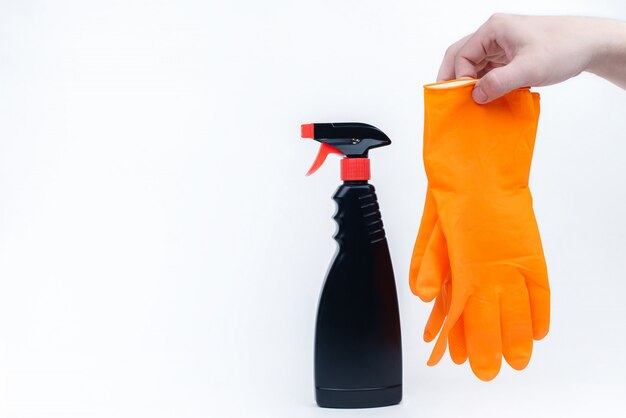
[{"x": 358, "y": 352}]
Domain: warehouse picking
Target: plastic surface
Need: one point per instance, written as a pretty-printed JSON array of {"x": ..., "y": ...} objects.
[
  {"x": 307, "y": 130},
  {"x": 358, "y": 350},
  {"x": 478, "y": 249},
  {"x": 351, "y": 139},
  {"x": 322, "y": 153},
  {"x": 354, "y": 169}
]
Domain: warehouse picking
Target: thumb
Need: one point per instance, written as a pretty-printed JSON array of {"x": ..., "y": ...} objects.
[{"x": 499, "y": 81}]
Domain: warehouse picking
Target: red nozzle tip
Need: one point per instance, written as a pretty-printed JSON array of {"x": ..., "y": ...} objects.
[{"x": 307, "y": 130}]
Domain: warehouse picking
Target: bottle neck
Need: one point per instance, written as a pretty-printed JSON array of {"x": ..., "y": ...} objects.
[{"x": 355, "y": 169}]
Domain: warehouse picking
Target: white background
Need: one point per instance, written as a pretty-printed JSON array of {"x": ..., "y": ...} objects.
[{"x": 161, "y": 252}]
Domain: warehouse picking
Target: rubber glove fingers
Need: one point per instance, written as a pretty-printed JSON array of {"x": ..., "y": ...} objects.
[
  {"x": 539, "y": 296},
  {"x": 457, "y": 304},
  {"x": 517, "y": 329},
  {"x": 457, "y": 343},
  {"x": 427, "y": 225},
  {"x": 484, "y": 342},
  {"x": 434, "y": 268},
  {"x": 439, "y": 311},
  {"x": 456, "y": 339},
  {"x": 435, "y": 319}
]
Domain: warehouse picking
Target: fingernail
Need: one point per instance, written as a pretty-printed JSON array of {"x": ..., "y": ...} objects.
[{"x": 479, "y": 95}]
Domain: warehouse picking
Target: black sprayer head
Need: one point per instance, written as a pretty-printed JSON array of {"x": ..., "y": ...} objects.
[{"x": 350, "y": 139}]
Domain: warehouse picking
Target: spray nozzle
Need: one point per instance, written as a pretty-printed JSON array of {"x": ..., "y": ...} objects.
[{"x": 351, "y": 139}]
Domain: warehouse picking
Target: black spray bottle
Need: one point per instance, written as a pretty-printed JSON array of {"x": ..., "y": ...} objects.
[{"x": 358, "y": 352}]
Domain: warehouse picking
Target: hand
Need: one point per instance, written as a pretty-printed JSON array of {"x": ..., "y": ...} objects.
[{"x": 512, "y": 51}]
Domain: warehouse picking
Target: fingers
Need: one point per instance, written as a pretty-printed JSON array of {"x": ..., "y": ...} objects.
[
  {"x": 483, "y": 336},
  {"x": 488, "y": 66},
  {"x": 539, "y": 297},
  {"x": 435, "y": 266},
  {"x": 471, "y": 55},
  {"x": 446, "y": 70},
  {"x": 479, "y": 50},
  {"x": 439, "y": 312},
  {"x": 456, "y": 338},
  {"x": 427, "y": 224},
  {"x": 517, "y": 330},
  {"x": 435, "y": 320},
  {"x": 457, "y": 304},
  {"x": 496, "y": 54},
  {"x": 456, "y": 342},
  {"x": 499, "y": 81}
]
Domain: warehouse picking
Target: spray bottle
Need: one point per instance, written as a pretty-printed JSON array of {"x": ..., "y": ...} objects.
[{"x": 358, "y": 353}]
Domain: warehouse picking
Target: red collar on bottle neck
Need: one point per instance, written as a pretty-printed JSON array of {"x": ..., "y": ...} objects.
[{"x": 355, "y": 169}]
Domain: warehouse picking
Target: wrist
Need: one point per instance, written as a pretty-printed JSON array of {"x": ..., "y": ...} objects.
[{"x": 608, "y": 53}]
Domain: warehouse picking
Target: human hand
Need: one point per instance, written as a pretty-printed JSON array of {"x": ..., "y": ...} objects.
[{"x": 512, "y": 51}]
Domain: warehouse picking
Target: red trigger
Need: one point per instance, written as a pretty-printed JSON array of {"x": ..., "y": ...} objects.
[{"x": 325, "y": 149}]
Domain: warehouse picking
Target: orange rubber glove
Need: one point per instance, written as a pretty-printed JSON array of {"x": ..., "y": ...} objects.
[
  {"x": 479, "y": 210},
  {"x": 438, "y": 282}
]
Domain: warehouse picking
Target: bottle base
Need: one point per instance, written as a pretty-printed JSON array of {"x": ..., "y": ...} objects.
[{"x": 358, "y": 398}]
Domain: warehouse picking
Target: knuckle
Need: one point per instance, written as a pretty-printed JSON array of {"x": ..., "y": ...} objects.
[
  {"x": 497, "y": 20},
  {"x": 451, "y": 51},
  {"x": 497, "y": 17},
  {"x": 458, "y": 60}
]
